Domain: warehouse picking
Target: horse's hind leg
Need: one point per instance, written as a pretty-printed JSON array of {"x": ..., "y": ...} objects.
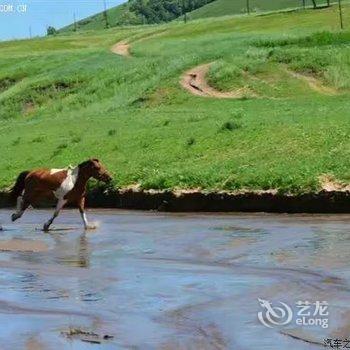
[
  {"x": 59, "y": 206},
  {"x": 22, "y": 205}
]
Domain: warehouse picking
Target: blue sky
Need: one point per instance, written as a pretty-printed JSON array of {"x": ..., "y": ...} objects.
[{"x": 16, "y": 19}]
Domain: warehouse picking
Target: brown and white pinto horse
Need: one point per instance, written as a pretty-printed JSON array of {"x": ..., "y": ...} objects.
[{"x": 66, "y": 185}]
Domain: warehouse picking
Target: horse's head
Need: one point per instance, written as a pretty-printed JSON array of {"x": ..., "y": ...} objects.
[{"x": 97, "y": 170}]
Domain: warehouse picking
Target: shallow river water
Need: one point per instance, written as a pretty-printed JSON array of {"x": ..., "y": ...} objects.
[{"x": 145, "y": 280}]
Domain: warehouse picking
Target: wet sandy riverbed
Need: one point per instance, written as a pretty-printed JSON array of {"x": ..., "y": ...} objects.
[{"x": 170, "y": 281}]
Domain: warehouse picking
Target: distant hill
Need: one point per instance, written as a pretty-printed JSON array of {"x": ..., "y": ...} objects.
[
  {"x": 219, "y": 8},
  {"x": 116, "y": 15},
  {"x": 138, "y": 12}
]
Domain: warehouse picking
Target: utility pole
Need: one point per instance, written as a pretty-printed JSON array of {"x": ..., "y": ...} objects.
[
  {"x": 105, "y": 14},
  {"x": 304, "y": 4},
  {"x": 75, "y": 22},
  {"x": 184, "y": 11},
  {"x": 30, "y": 32},
  {"x": 248, "y": 7},
  {"x": 341, "y": 15}
]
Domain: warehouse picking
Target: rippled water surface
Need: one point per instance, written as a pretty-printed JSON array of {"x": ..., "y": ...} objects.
[{"x": 170, "y": 281}]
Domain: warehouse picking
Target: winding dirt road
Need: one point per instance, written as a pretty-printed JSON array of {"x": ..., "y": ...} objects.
[
  {"x": 121, "y": 48},
  {"x": 194, "y": 81},
  {"x": 313, "y": 83}
]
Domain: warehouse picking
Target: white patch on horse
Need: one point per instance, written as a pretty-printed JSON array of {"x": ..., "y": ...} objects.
[
  {"x": 54, "y": 171},
  {"x": 68, "y": 184}
]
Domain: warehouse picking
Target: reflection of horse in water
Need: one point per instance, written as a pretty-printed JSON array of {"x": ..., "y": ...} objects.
[
  {"x": 67, "y": 185},
  {"x": 74, "y": 252}
]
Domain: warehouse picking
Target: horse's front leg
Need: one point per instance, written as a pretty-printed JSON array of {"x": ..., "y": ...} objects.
[
  {"x": 60, "y": 204},
  {"x": 81, "y": 205}
]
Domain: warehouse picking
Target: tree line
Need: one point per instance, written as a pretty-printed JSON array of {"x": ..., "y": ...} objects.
[{"x": 157, "y": 11}]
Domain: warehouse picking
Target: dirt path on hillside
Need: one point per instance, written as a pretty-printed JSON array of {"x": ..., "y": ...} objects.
[
  {"x": 195, "y": 81},
  {"x": 313, "y": 83},
  {"x": 121, "y": 48}
]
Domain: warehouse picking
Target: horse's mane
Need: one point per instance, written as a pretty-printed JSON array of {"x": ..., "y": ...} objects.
[{"x": 83, "y": 164}]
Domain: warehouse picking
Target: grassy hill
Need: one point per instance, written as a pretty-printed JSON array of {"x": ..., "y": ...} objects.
[
  {"x": 116, "y": 15},
  {"x": 234, "y": 7},
  {"x": 135, "y": 12},
  {"x": 67, "y": 98},
  {"x": 122, "y": 15}
]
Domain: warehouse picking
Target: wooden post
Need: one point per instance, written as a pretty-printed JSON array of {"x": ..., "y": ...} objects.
[
  {"x": 248, "y": 7},
  {"x": 184, "y": 11}
]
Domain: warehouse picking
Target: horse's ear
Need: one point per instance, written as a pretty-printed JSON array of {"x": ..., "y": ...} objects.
[{"x": 95, "y": 163}]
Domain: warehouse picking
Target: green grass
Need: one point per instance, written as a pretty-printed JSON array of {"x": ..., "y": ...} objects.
[
  {"x": 68, "y": 98},
  {"x": 266, "y": 65}
]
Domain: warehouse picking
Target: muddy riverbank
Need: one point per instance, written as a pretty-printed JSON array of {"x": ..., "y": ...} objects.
[{"x": 200, "y": 201}]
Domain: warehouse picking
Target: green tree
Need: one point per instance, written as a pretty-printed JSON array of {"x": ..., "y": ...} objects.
[{"x": 51, "y": 30}]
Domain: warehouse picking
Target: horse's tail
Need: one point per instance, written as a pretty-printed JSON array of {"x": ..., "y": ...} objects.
[{"x": 18, "y": 187}]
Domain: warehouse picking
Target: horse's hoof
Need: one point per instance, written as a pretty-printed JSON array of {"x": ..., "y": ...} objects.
[
  {"x": 90, "y": 227},
  {"x": 46, "y": 228},
  {"x": 14, "y": 217}
]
